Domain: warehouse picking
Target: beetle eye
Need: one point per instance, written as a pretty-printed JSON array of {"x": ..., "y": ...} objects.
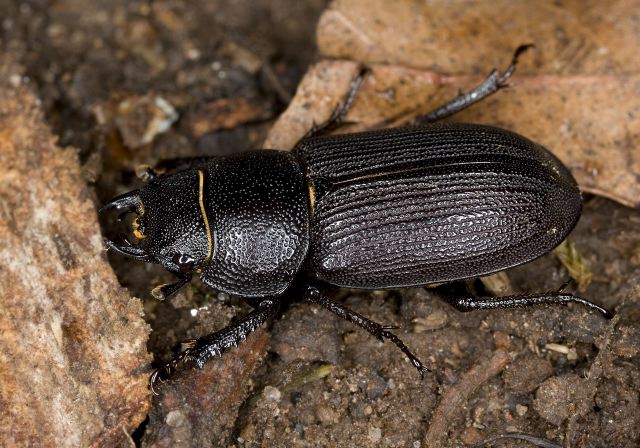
[{"x": 184, "y": 262}]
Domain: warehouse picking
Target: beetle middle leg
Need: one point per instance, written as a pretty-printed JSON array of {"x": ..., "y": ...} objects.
[
  {"x": 215, "y": 344},
  {"x": 381, "y": 332},
  {"x": 492, "y": 83}
]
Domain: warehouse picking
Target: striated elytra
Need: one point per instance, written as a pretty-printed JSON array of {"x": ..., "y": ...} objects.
[{"x": 381, "y": 209}]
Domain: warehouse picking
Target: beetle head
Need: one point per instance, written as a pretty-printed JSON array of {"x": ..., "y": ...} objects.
[{"x": 171, "y": 226}]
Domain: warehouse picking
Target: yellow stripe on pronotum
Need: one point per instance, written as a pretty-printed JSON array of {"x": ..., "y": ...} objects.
[
  {"x": 312, "y": 196},
  {"x": 204, "y": 214}
]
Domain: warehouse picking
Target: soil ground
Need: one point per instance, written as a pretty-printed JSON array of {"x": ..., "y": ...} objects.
[{"x": 229, "y": 68}]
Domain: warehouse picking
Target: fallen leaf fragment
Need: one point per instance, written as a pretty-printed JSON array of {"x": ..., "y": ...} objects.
[{"x": 578, "y": 96}]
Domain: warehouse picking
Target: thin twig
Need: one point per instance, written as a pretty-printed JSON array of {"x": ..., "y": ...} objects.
[
  {"x": 537, "y": 441},
  {"x": 458, "y": 394}
]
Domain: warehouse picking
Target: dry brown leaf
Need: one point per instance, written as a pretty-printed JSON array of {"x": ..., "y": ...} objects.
[
  {"x": 223, "y": 113},
  {"x": 573, "y": 37},
  {"x": 578, "y": 93}
]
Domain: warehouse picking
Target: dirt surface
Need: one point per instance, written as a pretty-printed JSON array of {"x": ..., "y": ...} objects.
[{"x": 130, "y": 82}]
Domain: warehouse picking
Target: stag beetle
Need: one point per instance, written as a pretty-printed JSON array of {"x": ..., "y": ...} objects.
[{"x": 389, "y": 208}]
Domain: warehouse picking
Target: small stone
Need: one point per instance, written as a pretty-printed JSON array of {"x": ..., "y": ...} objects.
[
  {"x": 325, "y": 414},
  {"x": 375, "y": 434},
  {"x": 15, "y": 80},
  {"x": 175, "y": 419},
  {"x": 272, "y": 393},
  {"x": 223, "y": 113},
  {"x": 502, "y": 340},
  {"x": 559, "y": 348},
  {"x": 470, "y": 436},
  {"x": 525, "y": 374},
  {"x": 248, "y": 433},
  {"x": 434, "y": 321},
  {"x": 374, "y": 387},
  {"x": 498, "y": 283},
  {"x": 561, "y": 397},
  {"x": 521, "y": 410},
  {"x": 140, "y": 119}
]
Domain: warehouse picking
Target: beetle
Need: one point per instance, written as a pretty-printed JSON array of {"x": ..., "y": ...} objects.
[{"x": 417, "y": 205}]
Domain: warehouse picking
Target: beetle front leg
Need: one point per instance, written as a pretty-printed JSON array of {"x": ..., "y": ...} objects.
[
  {"x": 381, "y": 332},
  {"x": 466, "y": 304},
  {"x": 494, "y": 82},
  {"x": 215, "y": 344},
  {"x": 161, "y": 292}
]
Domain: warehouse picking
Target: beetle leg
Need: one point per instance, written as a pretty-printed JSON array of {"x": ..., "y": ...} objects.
[
  {"x": 341, "y": 110},
  {"x": 165, "y": 290},
  {"x": 379, "y": 331},
  {"x": 145, "y": 173},
  {"x": 465, "y": 304},
  {"x": 172, "y": 166},
  {"x": 215, "y": 344},
  {"x": 494, "y": 82}
]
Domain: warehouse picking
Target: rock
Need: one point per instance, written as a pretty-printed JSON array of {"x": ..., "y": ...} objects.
[
  {"x": 140, "y": 119},
  {"x": 561, "y": 397},
  {"x": 525, "y": 374},
  {"x": 72, "y": 341}
]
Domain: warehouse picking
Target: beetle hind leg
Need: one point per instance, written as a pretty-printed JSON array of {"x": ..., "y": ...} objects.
[
  {"x": 492, "y": 83},
  {"x": 381, "y": 332},
  {"x": 200, "y": 350},
  {"x": 468, "y": 303},
  {"x": 341, "y": 110}
]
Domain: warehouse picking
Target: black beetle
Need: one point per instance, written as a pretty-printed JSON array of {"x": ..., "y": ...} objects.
[{"x": 383, "y": 209}]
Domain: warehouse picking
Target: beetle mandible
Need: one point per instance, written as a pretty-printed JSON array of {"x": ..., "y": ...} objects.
[{"x": 391, "y": 208}]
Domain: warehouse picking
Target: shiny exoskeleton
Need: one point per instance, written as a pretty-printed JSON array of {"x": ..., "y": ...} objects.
[{"x": 381, "y": 209}]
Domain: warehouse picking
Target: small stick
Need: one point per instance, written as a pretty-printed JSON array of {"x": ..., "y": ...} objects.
[
  {"x": 537, "y": 441},
  {"x": 458, "y": 394}
]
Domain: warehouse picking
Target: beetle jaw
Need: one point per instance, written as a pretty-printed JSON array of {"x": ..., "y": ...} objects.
[{"x": 130, "y": 202}]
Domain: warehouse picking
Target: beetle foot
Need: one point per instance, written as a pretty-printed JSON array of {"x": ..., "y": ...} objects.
[
  {"x": 492, "y": 83},
  {"x": 422, "y": 369},
  {"x": 168, "y": 368},
  {"x": 502, "y": 78},
  {"x": 199, "y": 351}
]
